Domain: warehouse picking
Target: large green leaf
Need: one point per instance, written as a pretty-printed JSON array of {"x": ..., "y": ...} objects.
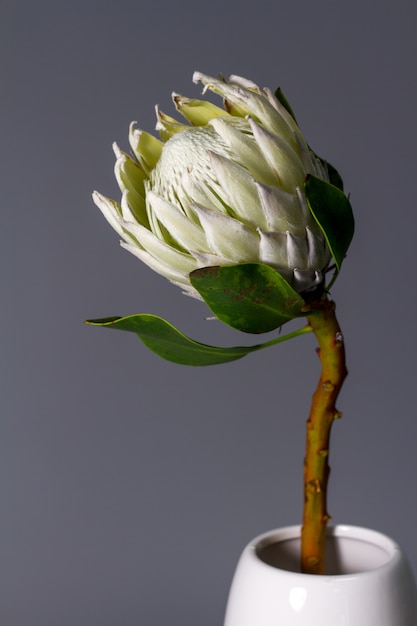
[
  {"x": 251, "y": 297},
  {"x": 332, "y": 211},
  {"x": 169, "y": 343}
]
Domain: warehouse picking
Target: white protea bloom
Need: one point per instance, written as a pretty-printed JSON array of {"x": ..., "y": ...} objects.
[{"x": 225, "y": 188}]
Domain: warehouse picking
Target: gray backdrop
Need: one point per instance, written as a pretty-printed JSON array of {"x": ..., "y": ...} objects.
[{"x": 130, "y": 485}]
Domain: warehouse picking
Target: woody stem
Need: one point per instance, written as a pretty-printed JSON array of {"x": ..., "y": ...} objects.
[{"x": 331, "y": 352}]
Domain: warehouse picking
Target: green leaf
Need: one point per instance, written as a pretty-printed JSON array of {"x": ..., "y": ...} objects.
[
  {"x": 333, "y": 213},
  {"x": 169, "y": 343},
  {"x": 334, "y": 176},
  {"x": 251, "y": 297}
]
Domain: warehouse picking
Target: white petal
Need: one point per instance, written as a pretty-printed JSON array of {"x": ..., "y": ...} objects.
[
  {"x": 284, "y": 161},
  {"x": 239, "y": 189},
  {"x": 228, "y": 237},
  {"x": 177, "y": 260},
  {"x": 157, "y": 265},
  {"x": 127, "y": 213},
  {"x": 306, "y": 157},
  {"x": 167, "y": 126},
  {"x": 306, "y": 279},
  {"x": 246, "y": 150},
  {"x": 197, "y": 112},
  {"x": 311, "y": 163},
  {"x": 146, "y": 148},
  {"x": 112, "y": 211},
  {"x": 240, "y": 81},
  {"x": 209, "y": 260},
  {"x": 203, "y": 190},
  {"x": 273, "y": 250},
  {"x": 134, "y": 210},
  {"x": 252, "y": 103},
  {"x": 318, "y": 252},
  {"x": 319, "y": 169},
  {"x": 129, "y": 175},
  {"x": 307, "y": 216},
  {"x": 297, "y": 250},
  {"x": 282, "y": 209},
  {"x": 303, "y": 204},
  {"x": 190, "y": 236},
  {"x": 282, "y": 111}
]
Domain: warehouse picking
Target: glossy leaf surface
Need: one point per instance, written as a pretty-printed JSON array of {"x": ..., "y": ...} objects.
[
  {"x": 334, "y": 176},
  {"x": 251, "y": 297},
  {"x": 333, "y": 213},
  {"x": 169, "y": 343}
]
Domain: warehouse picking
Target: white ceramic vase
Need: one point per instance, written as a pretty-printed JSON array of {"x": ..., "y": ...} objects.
[{"x": 368, "y": 582}]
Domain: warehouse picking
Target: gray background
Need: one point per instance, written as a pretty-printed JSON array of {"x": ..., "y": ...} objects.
[{"x": 130, "y": 485}]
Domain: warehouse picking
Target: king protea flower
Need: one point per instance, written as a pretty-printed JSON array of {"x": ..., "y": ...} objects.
[{"x": 224, "y": 188}]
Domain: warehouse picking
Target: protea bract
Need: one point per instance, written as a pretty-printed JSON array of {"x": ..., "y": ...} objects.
[{"x": 225, "y": 188}]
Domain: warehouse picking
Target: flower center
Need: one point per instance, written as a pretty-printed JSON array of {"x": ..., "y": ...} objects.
[{"x": 185, "y": 163}]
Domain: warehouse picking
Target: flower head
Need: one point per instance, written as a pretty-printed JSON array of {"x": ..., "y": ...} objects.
[{"x": 226, "y": 187}]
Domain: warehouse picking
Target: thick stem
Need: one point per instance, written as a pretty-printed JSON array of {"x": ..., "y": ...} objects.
[{"x": 323, "y": 412}]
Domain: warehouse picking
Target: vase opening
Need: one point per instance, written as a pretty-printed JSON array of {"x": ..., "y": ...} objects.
[{"x": 345, "y": 555}]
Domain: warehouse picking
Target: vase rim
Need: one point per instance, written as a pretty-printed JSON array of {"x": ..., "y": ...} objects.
[{"x": 346, "y": 531}]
